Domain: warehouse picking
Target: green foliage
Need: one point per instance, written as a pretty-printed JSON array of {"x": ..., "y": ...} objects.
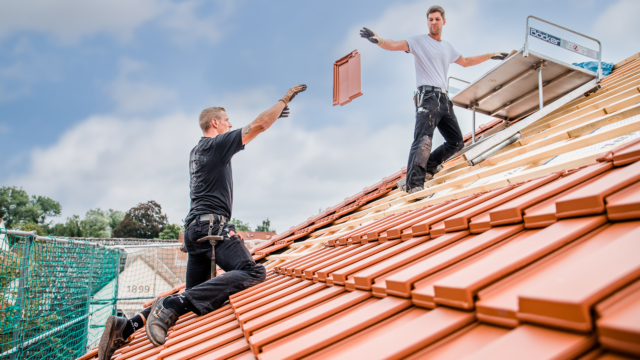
[
  {"x": 266, "y": 226},
  {"x": 116, "y": 218},
  {"x": 145, "y": 221},
  {"x": 96, "y": 224},
  {"x": 171, "y": 231},
  {"x": 69, "y": 229},
  {"x": 240, "y": 225},
  {"x": 29, "y": 226},
  {"x": 17, "y": 207}
]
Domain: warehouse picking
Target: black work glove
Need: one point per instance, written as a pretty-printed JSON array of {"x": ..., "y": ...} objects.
[
  {"x": 499, "y": 56},
  {"x": 284, "y": 113},
  {"x": 292, "y": 93},
  {"x": 369, "y": 35}
]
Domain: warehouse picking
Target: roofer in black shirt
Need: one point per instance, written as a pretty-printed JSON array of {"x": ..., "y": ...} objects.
[{"x": 211, "y": 202}]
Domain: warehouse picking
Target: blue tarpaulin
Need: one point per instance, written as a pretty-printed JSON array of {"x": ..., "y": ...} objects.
[{"x": 593, "y": 66}]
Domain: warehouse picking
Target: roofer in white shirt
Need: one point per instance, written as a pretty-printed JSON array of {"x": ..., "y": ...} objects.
[{"x": 432, "y": 57}]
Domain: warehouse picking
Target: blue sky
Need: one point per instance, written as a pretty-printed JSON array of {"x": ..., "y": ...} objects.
[{"x": 99, "y": 100}]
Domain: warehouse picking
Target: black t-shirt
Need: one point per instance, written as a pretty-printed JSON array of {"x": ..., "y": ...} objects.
[{"x": 210, "y": 172}]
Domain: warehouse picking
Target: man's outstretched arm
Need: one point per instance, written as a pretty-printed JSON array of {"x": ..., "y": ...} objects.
[
  {"x": 475, "y": 60},
  {"x": 387, "y": 44},
  {"x": 269, "y": 116}
]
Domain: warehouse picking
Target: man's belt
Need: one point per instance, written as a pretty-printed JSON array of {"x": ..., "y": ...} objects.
[
  {"x": 425, "y": 88},
  {"x": 208, "y": 217}
]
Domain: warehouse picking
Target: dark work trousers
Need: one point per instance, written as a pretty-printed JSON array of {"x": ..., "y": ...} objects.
[
  {"x": 436, "y": 112},
  {"x": 232, "y": 256}
]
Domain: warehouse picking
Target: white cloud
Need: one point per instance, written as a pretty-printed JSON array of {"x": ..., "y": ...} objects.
[
  {"x": 69, "y": 21},
  {"x": 131, "y": 95}
]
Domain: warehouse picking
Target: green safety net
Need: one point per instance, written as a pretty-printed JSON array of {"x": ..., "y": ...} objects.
[{"x": 56, "y": 294}]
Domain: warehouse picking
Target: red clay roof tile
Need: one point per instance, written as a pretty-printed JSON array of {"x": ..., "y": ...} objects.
[
  {"x": 459, "y": 289},
  {"x": 306, "y": 318},
  {"x": 624, "y": 204},
  {"x": 334, "y": 329},
  {"x": 463, "y": 342},
  {"x": 512, "y": 211},
  {"x": 619, "y": 320},
  {"x": 401, "y": 284},
  {"x": 566, "y": 302},
  {"x": 340, "y": 275},
  {"x": 589, "y": 200},
  {"x": 498, "y": 304},
  {"x": 395, "y": 340},
  {"x": 528, "y": 342}
]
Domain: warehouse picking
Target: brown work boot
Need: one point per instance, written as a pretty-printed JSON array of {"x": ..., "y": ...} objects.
[
  {"x": 159, "y": 322},
  {"x": 112, "y": 338}
]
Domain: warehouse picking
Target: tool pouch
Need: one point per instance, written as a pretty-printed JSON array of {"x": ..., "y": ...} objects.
[
  {"x": 415, "y": 99},
  {"x": 214, "y": 238}
]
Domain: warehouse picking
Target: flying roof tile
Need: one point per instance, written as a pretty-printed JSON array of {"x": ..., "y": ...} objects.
[{"x": 346, "y": 79}]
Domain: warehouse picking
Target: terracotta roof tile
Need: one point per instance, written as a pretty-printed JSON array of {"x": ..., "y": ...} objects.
[
  {"x": 624, "y": 204},
  {"x": 531, "y": 342},
  {"x": 567, "y": 303},
  {"x": 589, "y": 200},
  {"x": 619, "y": 320}
]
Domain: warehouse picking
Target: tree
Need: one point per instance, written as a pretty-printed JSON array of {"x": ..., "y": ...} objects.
[
  {"x": 240, "y": 225},
  {"x": 17, "y": 207},
  {"x": 145, "y": 221},
  {"x": 266, "y": 226},
  {"x": 116, "y": 218},
  {"x": 96, "y": 224},
  {"x": 171, "y": 231},
  {"x": 69, "y": 229}
]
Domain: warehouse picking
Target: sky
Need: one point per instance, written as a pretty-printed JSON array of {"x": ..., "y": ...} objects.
[{"x": 99, "y": 100}]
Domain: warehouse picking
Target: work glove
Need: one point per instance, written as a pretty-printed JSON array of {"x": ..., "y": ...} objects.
[
  {"x": 369, "y": 35},
  {"x": 292, "y": 93},
  {"x": 284, "y": 113},
  {"x": 499, "y": 56}
]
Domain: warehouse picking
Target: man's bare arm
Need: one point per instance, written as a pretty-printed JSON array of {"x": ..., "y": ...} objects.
[
  {"x": 269, "y": 116},
  {"x": 392, "y": 45},
  {"x": 387, "y": 44},
  {"x": 475, "y": 60}
]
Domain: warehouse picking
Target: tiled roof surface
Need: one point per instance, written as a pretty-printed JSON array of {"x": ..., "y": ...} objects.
[{"x": 533, "y": 254}]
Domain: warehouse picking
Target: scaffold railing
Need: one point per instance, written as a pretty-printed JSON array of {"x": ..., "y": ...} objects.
[{"x": 56, "y": 294}]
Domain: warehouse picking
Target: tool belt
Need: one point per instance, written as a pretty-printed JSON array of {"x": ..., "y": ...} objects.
[
  {"x": 419, "y": 96},
  {"x": 213, "y": 219},
  {"x": 429, "y": 88}
]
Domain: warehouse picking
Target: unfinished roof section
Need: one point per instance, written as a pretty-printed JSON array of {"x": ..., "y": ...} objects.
[{"x": 346, "y": 79}]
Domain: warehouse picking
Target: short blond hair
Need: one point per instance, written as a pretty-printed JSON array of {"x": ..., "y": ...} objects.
[{"x": 210, "y": 113}]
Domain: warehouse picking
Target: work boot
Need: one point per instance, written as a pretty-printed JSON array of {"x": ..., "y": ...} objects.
[
  {"x": 159, "y": 322},
  {"x": 415, "y": 190},
  {"x": 112, "y": 338},
  {"x": 428, "y": 176}
]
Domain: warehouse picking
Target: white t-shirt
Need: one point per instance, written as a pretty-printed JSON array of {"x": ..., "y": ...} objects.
[{"x": 432, "y": 59}]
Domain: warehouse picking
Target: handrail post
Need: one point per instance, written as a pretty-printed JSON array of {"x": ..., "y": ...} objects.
[{"x": 540, "y": 87}]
